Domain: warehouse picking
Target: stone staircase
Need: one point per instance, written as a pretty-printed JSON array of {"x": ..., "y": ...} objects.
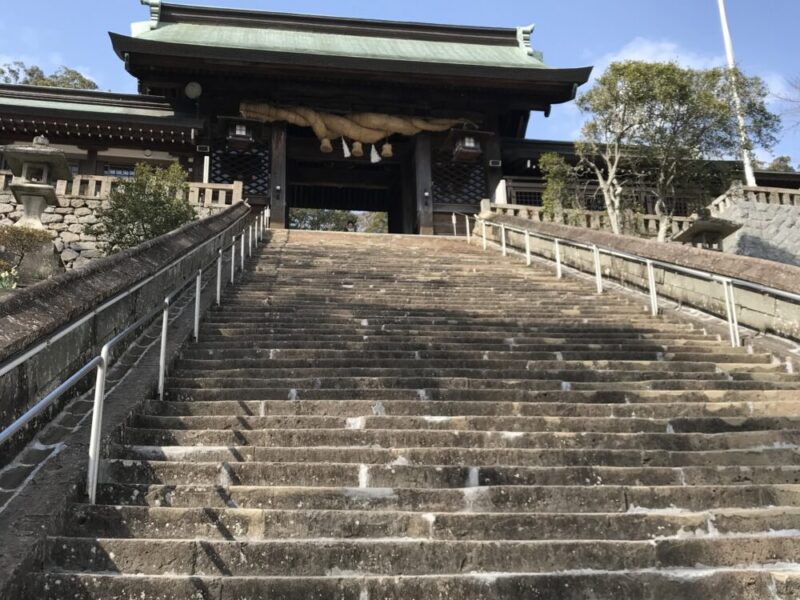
[{"x": 376, "y": 418}]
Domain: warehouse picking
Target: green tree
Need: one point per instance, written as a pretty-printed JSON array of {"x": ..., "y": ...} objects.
[
  {"x": 151, "y": 203},
  {"x": 657, "y": 127},
  {"x": 561, "y": 184},
  {"x": 374, "y": 222},
  {"x": 781, "y": 164},
  {"x": 22, "y": 74},
  {"x": 321, "y": 219}
]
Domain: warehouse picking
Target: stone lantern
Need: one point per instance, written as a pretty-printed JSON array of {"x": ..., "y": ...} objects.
[{"x": 36, "y": 168}]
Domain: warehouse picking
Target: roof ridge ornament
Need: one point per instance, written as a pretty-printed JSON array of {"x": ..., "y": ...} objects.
[
  {"x": 525, "y": 35},
  {"x": 155, "y": 11}
]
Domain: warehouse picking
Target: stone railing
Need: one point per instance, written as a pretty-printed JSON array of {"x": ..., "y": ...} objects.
[
  {"x": 215, "y": 195},
  {"x": 644, "y": 225},
  {"x": 206, "y": 195},
  {"x": 758, "y": 195},
  {"x": 93, "y": 187}
]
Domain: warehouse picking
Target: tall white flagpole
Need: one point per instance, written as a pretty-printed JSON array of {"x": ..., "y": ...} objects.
[{"x": 749, "y": 175}]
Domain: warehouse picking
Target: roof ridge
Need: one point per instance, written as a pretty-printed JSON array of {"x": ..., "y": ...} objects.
[{"x": 168, "y": 13}]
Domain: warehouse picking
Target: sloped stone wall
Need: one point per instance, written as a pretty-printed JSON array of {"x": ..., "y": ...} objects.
[{"x": 29, "y": 316}]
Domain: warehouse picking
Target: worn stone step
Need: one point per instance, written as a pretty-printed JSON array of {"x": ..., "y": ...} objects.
[
  {"x": 478, "y": 457},
  {"x": 509, "y": 424},
  {"x": 256, "y": 524},
  {"x": 645, "y": 407},
  {"x": 403, "y": 556},
  {"x": 392, "y": 438},
  {"x": 225, "y": 365},
  {"x": 746, "y": 583},
  {"x": 434, "y": 395},
  {"x": 645, "y": 352},
  {"x": 516, "y": 499},
  {"x": 330, "y": 474}
]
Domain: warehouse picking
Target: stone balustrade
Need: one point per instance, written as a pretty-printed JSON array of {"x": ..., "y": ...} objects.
[
  {"x": 645, "y": 225},
  {"x": 209, "y": 198},
  {"x": 758, "y": 195},
  {"x": 79, "y": 200}
]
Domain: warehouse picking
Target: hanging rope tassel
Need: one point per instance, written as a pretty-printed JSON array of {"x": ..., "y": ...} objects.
[
  {"x": 374, "y": 157},
  {"x": 346, "y": 148}
]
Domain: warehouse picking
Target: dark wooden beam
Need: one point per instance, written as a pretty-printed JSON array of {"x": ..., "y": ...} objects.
[
  {"x": 278, "y": 178},
  {"x": 422, "y": 171}
]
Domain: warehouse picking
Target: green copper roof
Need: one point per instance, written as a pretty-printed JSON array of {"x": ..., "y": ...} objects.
[
  {"x": 30, "y": 100},
  {"x": 334, "y": 44}
]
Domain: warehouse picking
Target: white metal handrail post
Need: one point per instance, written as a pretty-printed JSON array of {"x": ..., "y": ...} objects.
[
  {"x": 233, "y": 260},
  {"x": 469, "y": 233},
  {"x": 219, "y": 278},
  {"x": 730, "y": 306},
  {"x": 503, "y": 239},
  {"x": 198, "y": 291},
  {"x": 598, "y": 269},
  {"x": 97, "y": 422},
  {"x": 269, "y": 216},
  {"x": 455, "y": 227},
  {"x": 242, "y": 251},
  {"x": 559, "y": 268},
  {"x": 162, "y": 362},
  {"x": 483, "y": 229},
  {"x": 528, "y": 259},
  {"x": 250, "y": 240},
  {"x": 651, "y": 282}
]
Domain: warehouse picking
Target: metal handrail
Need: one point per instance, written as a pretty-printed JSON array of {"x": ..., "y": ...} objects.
[
  {"x": 15, "y": 362},
  {"x": 254, "y": 231},
  {"x": 728, "y": 283},
  {"x": 45, "y": 402}
]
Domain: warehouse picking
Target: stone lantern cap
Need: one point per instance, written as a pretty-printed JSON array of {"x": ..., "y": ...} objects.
[{"x": 26, "y": 160}]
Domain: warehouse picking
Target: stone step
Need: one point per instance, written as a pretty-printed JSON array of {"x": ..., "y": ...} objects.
[
  {"x": 511, "y": 424},
  {"x": 746, "y": 583},
  {"x": 255, "y": 524},
  {"x": 383, "y": 388},
  {"x": 432, "y": 395},
  {"x": 228, "y": 365},
  {"x": 275, "y": 438},
  {"x": 403, "y": 556},
  {"x": 640, "y": 406},
  {"x": 504, "y": 499},
  {"x": 648, "y": 352},
  {"x": 378, "y": 378},
  {"x": 477, "y": 457},
  {"x": 330, "y": 474}
]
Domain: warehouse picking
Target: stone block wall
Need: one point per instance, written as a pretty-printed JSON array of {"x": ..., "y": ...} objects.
[
  {"x": 770, "y": 231},
  {"x": 66, "y": 223}
]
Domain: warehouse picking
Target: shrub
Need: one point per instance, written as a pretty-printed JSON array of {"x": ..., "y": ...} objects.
[
  {"x": 151, "y": 203},
  {"x": 17, "y": 242}
]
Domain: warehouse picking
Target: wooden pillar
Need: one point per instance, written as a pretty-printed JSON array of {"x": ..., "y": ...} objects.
[
  {"x": 494, "y": 175},
  {"x": 424, "y": 181},
  {"x": 278, "y": 210},
  {"x": 409, "y": 197}
]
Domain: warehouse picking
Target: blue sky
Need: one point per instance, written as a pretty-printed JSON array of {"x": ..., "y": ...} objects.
[{"x": 569, "y": 32}]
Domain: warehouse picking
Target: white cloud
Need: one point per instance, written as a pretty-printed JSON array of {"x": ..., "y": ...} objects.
[{"x": 658, "y": 51}]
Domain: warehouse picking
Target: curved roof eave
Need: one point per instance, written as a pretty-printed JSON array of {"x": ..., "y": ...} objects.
[{"x": 491, "y": 75}]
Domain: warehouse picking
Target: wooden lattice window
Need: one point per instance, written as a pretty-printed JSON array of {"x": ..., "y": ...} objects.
[
  {"x": 250, "y": 166},
  {"x": 458, "y": 183}
]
